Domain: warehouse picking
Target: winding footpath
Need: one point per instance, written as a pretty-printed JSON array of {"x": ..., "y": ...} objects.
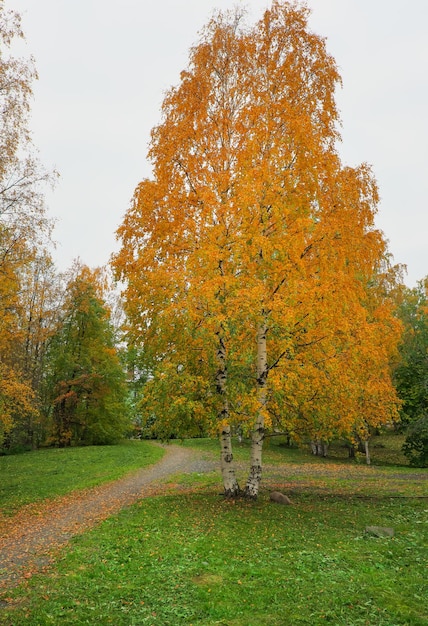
[{"x": 28, "y": 542}]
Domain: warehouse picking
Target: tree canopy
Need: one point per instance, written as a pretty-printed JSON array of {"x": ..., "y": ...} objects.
[
  {"x": 411, "y": 374},
  {"x": 61, "y": 380},
  {"x": 256, "y": 283},
  {"x": 85, "y": 390},
  {"x": 24, "y": 227}
]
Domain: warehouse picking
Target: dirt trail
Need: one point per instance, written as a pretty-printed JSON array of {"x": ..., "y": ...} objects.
[{"x": 28, "y": 540}]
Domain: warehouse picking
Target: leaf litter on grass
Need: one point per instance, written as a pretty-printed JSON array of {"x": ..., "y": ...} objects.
[
  {"x": 201, "y": 555},
  {"x": 29, "y": 538}
]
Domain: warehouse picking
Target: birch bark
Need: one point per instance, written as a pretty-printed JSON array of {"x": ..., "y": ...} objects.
[
  {"x": 367, "y": 451},
  {"x": 257, "y": 437},
  {"x": 230, "y": 483}
]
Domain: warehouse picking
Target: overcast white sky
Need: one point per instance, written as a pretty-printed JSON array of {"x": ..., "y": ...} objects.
[{"x": 105, "y": 65}]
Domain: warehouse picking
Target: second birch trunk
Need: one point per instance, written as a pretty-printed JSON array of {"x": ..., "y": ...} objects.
[
  {"x": 257, "y": 437},
  {"x": 230, "y": 483}
]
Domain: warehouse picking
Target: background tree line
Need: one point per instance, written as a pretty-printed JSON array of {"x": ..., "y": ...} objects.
[
  {"x": 61, "y": 380},
  {"x": 259, "y": 295}
]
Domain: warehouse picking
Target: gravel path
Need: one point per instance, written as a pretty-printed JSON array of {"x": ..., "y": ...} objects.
[{"x": 27, "y": 541}]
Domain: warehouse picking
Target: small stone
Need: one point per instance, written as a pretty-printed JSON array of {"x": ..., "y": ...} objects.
[{"x": 380, "y": 531}]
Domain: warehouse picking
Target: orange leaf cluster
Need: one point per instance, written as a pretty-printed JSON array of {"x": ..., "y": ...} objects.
[{"x": 252, "y": 227}]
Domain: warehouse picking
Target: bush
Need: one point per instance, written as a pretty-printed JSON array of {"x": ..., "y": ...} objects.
[
  {"x": 15, "y": 449},
  {"x": 415, "y": 446}
]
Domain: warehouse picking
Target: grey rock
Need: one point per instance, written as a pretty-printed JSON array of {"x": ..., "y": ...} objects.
[{"x": 379, "y": 531}]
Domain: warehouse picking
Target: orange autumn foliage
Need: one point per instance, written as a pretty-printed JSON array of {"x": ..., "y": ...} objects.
[
  {"x": 24, "y": 227},
  {"x": 252, "y": 227}
]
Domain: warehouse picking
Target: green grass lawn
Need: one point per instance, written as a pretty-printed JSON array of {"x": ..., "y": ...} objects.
[
  {"x": 195, "y": 559},
  {"x": 384, "y": 450},
  {"x": 34, "y": 476}
]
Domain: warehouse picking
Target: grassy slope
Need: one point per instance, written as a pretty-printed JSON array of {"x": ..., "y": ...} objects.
[
  {"x": 196, "y": 559},
  {"x": 33, "y": 476}
]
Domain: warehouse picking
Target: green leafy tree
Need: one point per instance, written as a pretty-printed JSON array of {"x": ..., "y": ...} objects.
[
  {"x": 85, "y": 387},
  {"x": 416, "y": 445},
  {"x": 411, "y": 375}
]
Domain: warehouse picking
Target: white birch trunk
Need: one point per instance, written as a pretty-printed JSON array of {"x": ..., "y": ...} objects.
[
  {"x": 257, "y": 437},
  {"x": 230, "y": 483},
  {"x": 319, "y": 448},
  {"x": 367, "y": 451}
]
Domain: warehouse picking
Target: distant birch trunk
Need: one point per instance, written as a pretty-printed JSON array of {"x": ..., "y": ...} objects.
[
  {"x": 367, "y": 451},
  {"x": 319, "y": 448},
  {"x": 230, "y": 484},
  {"x": 257, "y": 437}
]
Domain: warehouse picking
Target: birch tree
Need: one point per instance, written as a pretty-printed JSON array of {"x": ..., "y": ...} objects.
[{"x": 251, "y": 258}]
